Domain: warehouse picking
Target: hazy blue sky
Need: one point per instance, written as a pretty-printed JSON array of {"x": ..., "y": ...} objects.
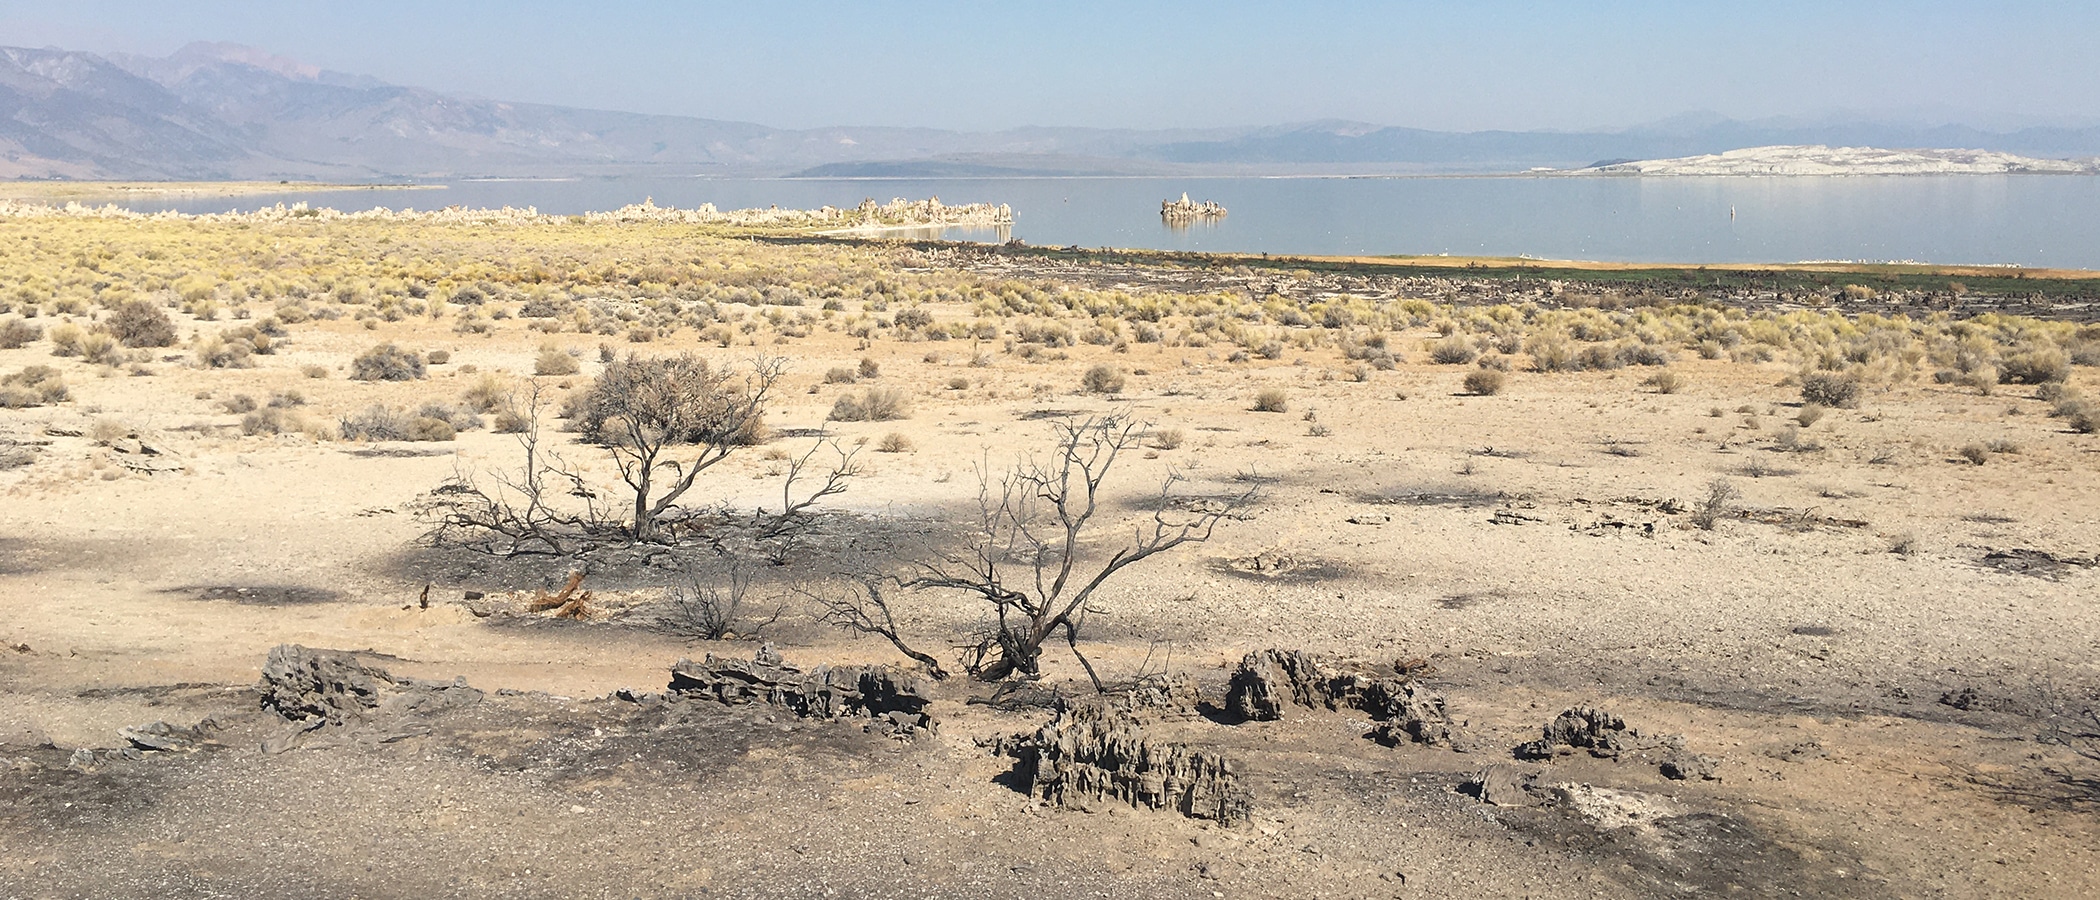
[{"x": 980, "y": 65}]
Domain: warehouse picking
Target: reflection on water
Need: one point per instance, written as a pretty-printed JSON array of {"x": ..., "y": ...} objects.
[
  {"x": 2032, "y": 220},
  {"x": 977, "y": 234}
]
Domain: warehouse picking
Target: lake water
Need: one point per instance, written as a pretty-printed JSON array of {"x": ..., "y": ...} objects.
[{"x": 2025, "y": 220}]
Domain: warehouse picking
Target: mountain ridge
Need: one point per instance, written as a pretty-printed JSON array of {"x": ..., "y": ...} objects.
[{"x": 225, "y": 111}]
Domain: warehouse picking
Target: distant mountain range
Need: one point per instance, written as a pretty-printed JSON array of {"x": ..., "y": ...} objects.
[
  {"x": 221, "y": 111},
  {"x": 1819, "y": 160}
]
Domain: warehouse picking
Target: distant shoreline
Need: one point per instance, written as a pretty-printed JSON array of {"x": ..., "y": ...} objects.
[{"x": 95, "y": 190}]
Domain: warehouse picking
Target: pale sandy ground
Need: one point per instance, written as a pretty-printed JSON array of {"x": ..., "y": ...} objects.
[{"x": 1750, "y": 640}]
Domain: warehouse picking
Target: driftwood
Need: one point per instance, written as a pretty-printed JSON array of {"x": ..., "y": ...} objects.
[{"x": 567, "y": 604}]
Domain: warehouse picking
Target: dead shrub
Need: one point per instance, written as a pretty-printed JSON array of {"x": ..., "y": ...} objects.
[
  {"x": 894, "y": 443},
  {"x": 1167, "y": 439},
  {"x": 554, "y": 361},
  {"x": 140, "y": 323},
  {"x": 272, "y": 420},
  {"x": 16, "y": 334},
  {"x": 2034, "y": 367},
  {"x": 1453, "y": 351},
  {"x": 870, "y": 368},
  {"x": 1666, "y": 381},
  {"x": 1831, "y": 389},
  {"x": 874, "y": 405},
  {"x": 1484, "y": 382},
  {"x": 378, "y": 423},
  {"x": 840, "y": 375},
  {"x": 387, "y": 362},
  {"x": 1977, "y": 454},
  {"x": 1103, "y": 379},
  {"x": 33, "y": 386},
  {"x": 1272, "y": 400},
  {"x": 1810, "y": 414},
  {"x": 1721, "y": 498}
]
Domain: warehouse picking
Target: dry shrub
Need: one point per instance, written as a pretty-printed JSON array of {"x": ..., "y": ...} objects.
[
  {"x": 1721, "y": 497},
  {"x": 273, "y": 420},
  {"x": 1831, "y": 389},
  {"x": 1272, "y": 400},
  {"x": 238, "y": 404},
  {"x": 1484, "y": 382},
  {"x": 487, "y": 395},
  {"x": 870, "y": 368},
  {"x": 1453, "y": 351},
  {"x": 105, "y": 432},
  {"x": 314, "y": 371},
  {"x": 2034, "y": 367},
  {"x": 553, "y": 361},
  {"x": 16, "y": 334},
  {"x": 1975, "y": 453},
  {"x": 99, "y": 348},
  {"x": 387, "y": 362},
  {"x": 33, "y": 386},
  {"x": 840, "y": 375},
  {"x": 1167, "y": 438},
  {"x": 875, "y": 405},
  {"x": 140, "y": 323},
  {"x": 1665, "y": 382},
  {"x": 1103, "y": 379},
  {"x": 379, "y": 423},
  {"x": 1551, "y": 353},
  {"x": 1810, "y": 414},
  {"x": 958, "y": 383},
  {"x": 65, "y": 339},
  {"x": 439, "y": 357},
  {"x": 894, "y": 443}
]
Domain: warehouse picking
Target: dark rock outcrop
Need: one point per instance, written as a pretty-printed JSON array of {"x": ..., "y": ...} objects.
[
  {"x": 892, "y": 701},
  {"x": 1091, "y": 751},
  {"x": 331, "y": 687},
  {"x": 1271, "y": 681},
  {"x": 1585, "y": 728},
  {"x": 1607, "y": 736}
]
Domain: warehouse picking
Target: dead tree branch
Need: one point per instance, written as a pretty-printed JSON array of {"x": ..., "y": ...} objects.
[{"x": 1026, "y": 559}]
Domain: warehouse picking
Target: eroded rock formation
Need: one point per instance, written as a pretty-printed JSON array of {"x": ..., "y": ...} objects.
[
  {"x": 1091, "y": 751},
  {"x": 1271, "y": 681},
  {"x": 892, "y": 701}
]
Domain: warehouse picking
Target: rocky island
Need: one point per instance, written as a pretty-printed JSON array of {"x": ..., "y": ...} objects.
[{"x": 1182, "y": 212}]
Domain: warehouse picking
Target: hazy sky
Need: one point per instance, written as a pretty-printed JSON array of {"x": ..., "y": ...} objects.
[{"x": 1474, "y": 65}]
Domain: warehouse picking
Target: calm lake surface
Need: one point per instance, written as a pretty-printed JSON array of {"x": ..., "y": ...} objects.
[{"x": 2033, "y": 220}]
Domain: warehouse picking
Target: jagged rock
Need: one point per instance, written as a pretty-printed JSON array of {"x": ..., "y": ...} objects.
[
  {"x": 894, "y": 702},
  {"x": 299, "y": 683},
  {"x": 166, "y": 738},
  {"x": 1681, "y": 765},
  {"x": 1092, "y": 751},
  {"x": 1503, "y": 786},
  {"x": 1606, "y": 736},
  {"x": 1413, "y": 714},
  {"x": 1164, "y": 699},
  {"x": 1268, "y": 682},
  {"x": 330, "y": 687},
  {"x": 1582, "y": 728}
]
